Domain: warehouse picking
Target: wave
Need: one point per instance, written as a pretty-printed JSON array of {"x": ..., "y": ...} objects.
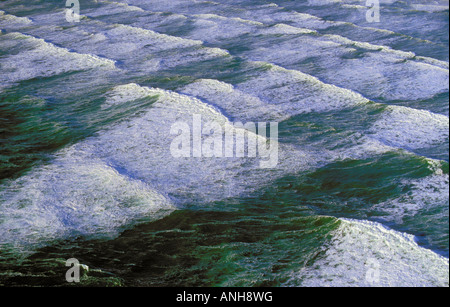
[
  {"x": 396, "y": 16},
  {"x": 13, "y": 22},
  {"x": 76, "y": 196},
  {"x": 424, "y": 207},
  {"x": 279, "y": 94},
  {"x": 336, "y": 58},
  {"x": 270, "y": 14},
  {"x": 410, "y": 128},
  {"x": 130, "y": 173},
  {"x": 363, "y": 253},
  {"x": 374, "y": 62},
  {"x": 360, "y": 67},
  {"x": 226, "y": 64},
  {"x": 425, "y": 6},
  {"x": 124, "y": 175},
  {"x": 38, "y": 58},
  {"x": 431, "y": 8},
  {"x": 275, "y": 91},
  {"x": 133, "y": 49}
]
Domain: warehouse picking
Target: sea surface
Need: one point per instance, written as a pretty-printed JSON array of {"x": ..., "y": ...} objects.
[{"x": 360, "y": 193}]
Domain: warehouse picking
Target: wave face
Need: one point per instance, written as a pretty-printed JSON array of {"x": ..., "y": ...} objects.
[{"x": 359, "y": 192}]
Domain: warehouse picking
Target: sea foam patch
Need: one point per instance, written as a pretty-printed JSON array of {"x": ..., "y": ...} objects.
[
  {"x": 363, "y": 253},
  {"x": 425, "y": 201},
  {"x": 12, "y": 22},
  {"x": 246, "y": 105},
  {"x": 38, "y": 58},
  {"x": 375, "y": 71},
  {"x": 75, "y": 196},
  {"x": 411, "y": 128},
  {"x": 232, "y": 101},
  {"x": 209, "y": 27}
]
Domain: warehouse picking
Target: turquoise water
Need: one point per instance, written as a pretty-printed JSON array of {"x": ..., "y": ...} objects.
[{"x": 86, "y": 170}]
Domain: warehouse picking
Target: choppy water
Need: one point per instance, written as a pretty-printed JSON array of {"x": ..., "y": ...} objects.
[{"x": 86, "y": 172}]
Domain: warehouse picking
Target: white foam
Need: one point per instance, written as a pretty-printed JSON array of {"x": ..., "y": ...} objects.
[
  {"x": 109, "y": 181},
  {"x": 142, "y": 147},
  {"x": 428, "y": 193},
  {"x": 382, "y": 71},
  {"x": 114, "y": 7},
  {"x": 41, "y": 59},
  {"x": 430, "y": 8},
  {"x": 279, "y": 29},
  {"x": 390, "y": 77},
  {"x": 345, "y": 41},
  {"x": 295, "y": 92},
  {"x": 133, "y": 43},
  {"x": 138, "y": 50},
  {"x": 222, "y": 18},
  {"x": 426, "y": 6},
  {"x": 363, "y": 253},
  {"x": 233, "y": 101},
  {"x": 248, "y": 106},
  {"x": 322, "y": 2},
  {"x": 313, "y": 22},
  {"x": 355, "y": 6},
  {"x": 125, "y": 93},
  {"x": 168, "y": 6},
  {"x": 8, "y": 21},
  {"x": 288, "y": 52},
  {"x": 76, "y": 195},
  {"x": 431, "y": 61},
  {"x": 149, "y": 38},
  {"x": 252, "y": 103},
  {"x": 210, "y": 27},
  {"x": 343, "y": 2},
  {"x": 411, "y": 128},
  {"x": 297, "y": 19}
]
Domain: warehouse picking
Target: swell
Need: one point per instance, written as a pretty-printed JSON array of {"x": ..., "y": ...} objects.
[
  {"x": 123, "y": 167},
  {"x": 359, "y": 247},
  {"x": 266, "y": 98},
  {"x": 58, "y": 60},
  {"x": 120, "y": 154},
  {"x": 348, "y": 97},
  {"x": 417, "y": 64},
  {"x": 344, "y": 42},
  {"x": 280, "y": 15},
  {"x": 135, "y": 49},
  {"x": 121, "y": 176},
  {"x": 390, "y": 17},
  {"x": 384, "y": 129}
]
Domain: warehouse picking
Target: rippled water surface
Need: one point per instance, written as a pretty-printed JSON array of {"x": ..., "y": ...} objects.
[{"x": 86, "y": 171}]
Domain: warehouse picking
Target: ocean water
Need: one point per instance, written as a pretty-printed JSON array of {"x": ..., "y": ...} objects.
[{"x": 360, "y": 193}]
